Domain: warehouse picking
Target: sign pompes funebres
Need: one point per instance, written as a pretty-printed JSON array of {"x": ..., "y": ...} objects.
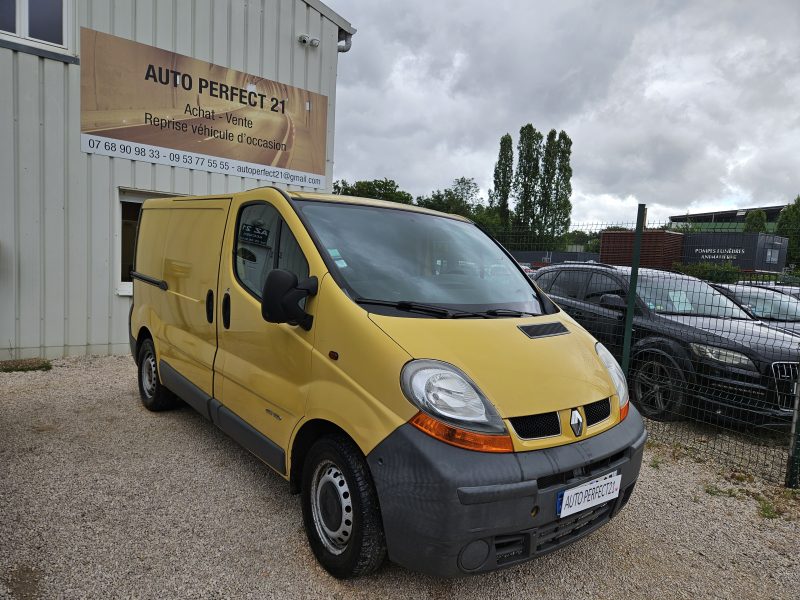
[{"x": 148, "y": 104}]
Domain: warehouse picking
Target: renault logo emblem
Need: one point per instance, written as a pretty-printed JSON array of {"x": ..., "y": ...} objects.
[{"x": 576, "y": 422}]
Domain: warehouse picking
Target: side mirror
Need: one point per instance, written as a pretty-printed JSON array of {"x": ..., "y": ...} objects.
[
  {"x": 613, "y": 302},
  {"x": 280, "y": 299}
]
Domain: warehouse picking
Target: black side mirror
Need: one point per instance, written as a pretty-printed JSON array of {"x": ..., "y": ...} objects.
[
  {"x": 613, "y": 302},
  {"x": 280, "y": 299}
]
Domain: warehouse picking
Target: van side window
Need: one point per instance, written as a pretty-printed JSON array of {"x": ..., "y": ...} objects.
[
  {"x": 256, "y": 237},
  {"x": 290, "y": 256}
]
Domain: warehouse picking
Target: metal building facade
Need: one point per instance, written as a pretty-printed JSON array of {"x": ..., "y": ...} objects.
[{"x": 60, "y": 209}]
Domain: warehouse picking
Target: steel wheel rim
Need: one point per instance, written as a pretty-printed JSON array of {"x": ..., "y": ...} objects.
[
  {"x": 331, "y": 507},
  {"x": 149, "y": 376},
  {"x": 659, "y": 393}
]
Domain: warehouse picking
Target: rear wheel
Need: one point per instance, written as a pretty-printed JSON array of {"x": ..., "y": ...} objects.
[
  {"x": 154, "y": 395},
  {"x": 659, "y": 387},
  {"x": 340, "y": 509}
]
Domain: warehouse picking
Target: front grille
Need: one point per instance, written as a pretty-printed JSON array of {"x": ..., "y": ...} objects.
[
  {"x": 786, "y": 376},
  {"x": 785, "y": 370},
  {"x": 511, "y": 548},
  {"x": 593, "y": 468},
  {"x": 567, "y": 529},
  {"x": 537, "y": 426},
  {"x": 597, "y": 411}
]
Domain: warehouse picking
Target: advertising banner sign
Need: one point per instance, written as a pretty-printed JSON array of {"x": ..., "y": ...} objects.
[{"x": 148, "y": 104}]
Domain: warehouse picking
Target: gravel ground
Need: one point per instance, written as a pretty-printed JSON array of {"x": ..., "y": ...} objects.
[{"x": 100, "y": 498}]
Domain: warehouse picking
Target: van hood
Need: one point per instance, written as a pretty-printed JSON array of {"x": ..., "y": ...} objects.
[{"x": 518, "y": 374}]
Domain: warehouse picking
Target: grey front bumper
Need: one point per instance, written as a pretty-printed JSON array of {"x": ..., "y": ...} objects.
[{"x": 449, "y": 511}]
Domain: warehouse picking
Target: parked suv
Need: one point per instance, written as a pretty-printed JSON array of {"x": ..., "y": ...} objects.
[{"x": 690, "y": 344}]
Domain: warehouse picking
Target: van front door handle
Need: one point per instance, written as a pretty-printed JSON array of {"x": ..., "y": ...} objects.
[
  {"x": 226, "y": 311},
  {"x": 210, "y": 306}
]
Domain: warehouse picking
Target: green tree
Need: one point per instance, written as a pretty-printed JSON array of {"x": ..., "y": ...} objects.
[
  {"x": 461, "y": 198},
  {"x": 545, "y": 200},
  {"x": 788, "y": 226},
  {"x": 755, "y": 221},
  {"x": 503, "y": 180},
  {"x": 379, "y": 189},
  {"x": 562, "y": 203},
  {"x": 526, "y": 178}
]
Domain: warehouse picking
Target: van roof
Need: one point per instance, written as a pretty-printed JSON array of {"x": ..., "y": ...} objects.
[
  {"x": 295, "y": 195},
  {"x": 370, "y": 202}
]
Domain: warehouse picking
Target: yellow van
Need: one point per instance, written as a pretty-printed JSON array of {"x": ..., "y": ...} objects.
[{"x": 395, "y": 365}]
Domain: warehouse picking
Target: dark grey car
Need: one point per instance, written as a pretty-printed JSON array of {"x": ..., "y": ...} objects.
[
  {"x": 775, "y": 309},
  {"x": 692, "y": 347}
]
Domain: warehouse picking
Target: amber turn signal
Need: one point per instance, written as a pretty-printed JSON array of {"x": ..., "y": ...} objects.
[
  {"x": 623, "y": 411},
  {"x": 454, "y": 436}
]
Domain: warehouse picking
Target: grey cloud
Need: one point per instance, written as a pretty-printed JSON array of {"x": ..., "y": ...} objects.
[{"x": 674, "y": 103}]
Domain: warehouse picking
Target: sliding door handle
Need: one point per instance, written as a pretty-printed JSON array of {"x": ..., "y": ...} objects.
[
  {"x": 226, "y": 311},
  {"x": 210, "y": 306}
]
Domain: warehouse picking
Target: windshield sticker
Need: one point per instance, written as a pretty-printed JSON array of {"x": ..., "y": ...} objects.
[
  {"x": 341, "y": 263},
  {"x": 334, "y": 252},
  {"x": 680, "y": 301}
]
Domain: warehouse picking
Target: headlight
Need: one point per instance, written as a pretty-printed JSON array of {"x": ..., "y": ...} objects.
[
  {"x": 617, "y": 377},
  {"x": 446, "y": 393},
  {"x": 728, "y": 357}
]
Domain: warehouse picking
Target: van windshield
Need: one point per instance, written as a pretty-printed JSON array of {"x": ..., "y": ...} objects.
[{"x": 410, "y": 257}]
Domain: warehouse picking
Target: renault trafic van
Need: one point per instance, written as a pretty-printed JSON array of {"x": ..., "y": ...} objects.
[{"x": 395, "y": 365}]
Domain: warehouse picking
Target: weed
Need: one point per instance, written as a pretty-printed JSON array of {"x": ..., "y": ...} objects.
[
  {"x": 767, "y": 509},
  {"x": 25, "y": 364}
]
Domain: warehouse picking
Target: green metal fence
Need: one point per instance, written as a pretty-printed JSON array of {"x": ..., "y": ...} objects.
[{"x": 706, "y": 325}]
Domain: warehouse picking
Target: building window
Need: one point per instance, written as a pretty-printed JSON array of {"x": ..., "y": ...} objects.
[
  {"x": 35, "y": 20},
  {"x": 772, "y": 256},
  {"x": 128, "y": 210},
  {"x": 130, "y": 221}
]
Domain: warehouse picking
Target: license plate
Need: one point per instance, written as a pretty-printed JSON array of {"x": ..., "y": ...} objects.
[{"x": 587, "y": 495}]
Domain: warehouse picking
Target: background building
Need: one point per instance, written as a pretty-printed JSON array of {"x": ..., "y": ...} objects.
[
  {"x": 726, "y": 220},
  {"x": 79, "y": 154}
]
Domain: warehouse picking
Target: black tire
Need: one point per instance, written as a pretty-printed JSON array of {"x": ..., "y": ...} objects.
[
  {"x": 658, "y": 387},
  {"x": 337, "y": 484},
  {"x": 154, "y": 395}
]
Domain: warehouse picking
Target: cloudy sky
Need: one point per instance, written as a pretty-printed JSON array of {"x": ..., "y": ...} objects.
[{"x": 686, "y": 106}]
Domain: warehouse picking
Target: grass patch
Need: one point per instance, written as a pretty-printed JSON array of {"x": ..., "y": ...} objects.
[
  {"x": 713, "y": 490},
  {"x": 25, "y": 364},
  {"x": 655, "y": 462},
  {"x": 768, "y": 510}
]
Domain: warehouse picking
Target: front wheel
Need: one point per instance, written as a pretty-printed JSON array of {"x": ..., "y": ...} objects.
[
  {"x": 340, "y": 509},
  {"x": 659, "y": 387}
]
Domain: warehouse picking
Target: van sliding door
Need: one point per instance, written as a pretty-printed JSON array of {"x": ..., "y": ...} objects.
[{"x": 188, "y": 336}]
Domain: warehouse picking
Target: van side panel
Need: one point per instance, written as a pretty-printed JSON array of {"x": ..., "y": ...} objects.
[
  {"x": 190, "y": 265},
  {"x": 360, "y": 390},
  {"x": 263, "y": 369},
  {"x": 149, "y": 261}
]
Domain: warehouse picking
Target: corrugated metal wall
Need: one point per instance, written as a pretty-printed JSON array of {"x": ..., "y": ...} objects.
[{"x": 59, "y": 207}]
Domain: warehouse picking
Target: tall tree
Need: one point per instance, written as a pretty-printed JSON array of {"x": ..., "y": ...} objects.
[
  {"x": 526, "y": 177},
  {"x": 379, "y": 189},
  {"x": 562, "y": 204},
  {"x": 755, "y": 221},
  {"x": 503, "y": 180},
  {"x": 788, "y": 226},
  {"x": 545, "y": 203}
]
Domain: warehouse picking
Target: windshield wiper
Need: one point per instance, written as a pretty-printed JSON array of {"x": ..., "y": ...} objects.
[
  {"x": 506, "y": 312},
  {"x": 407, "y": 305}
]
